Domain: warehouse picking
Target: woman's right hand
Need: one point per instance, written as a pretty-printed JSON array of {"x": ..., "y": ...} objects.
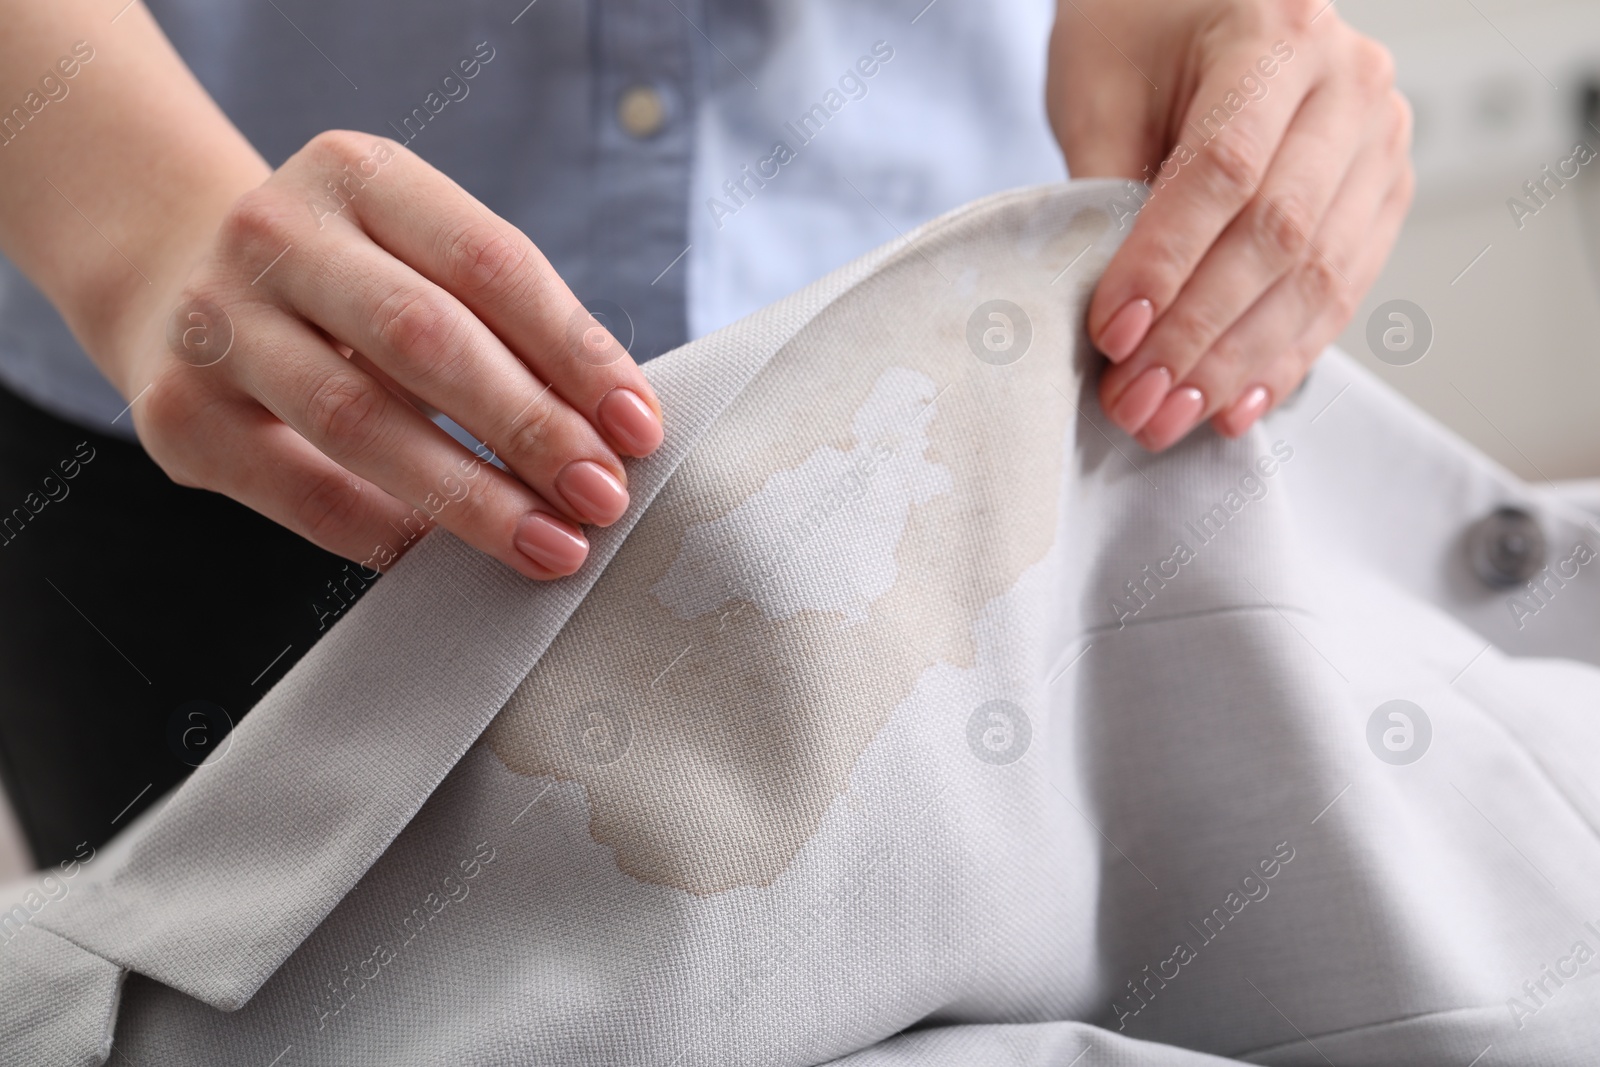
[{"x": 281, "y": 366}]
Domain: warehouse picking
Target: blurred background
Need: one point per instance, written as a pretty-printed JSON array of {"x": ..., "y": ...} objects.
[{"x": 1501, "y": 88}]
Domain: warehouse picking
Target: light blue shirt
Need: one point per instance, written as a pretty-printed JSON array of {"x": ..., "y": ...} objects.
[{"x": 792, "y": 136}]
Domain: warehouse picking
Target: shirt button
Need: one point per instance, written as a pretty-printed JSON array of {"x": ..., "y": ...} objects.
[
  {"x": 1506, "y": 547},
  {"x": 641, "y": 111}
]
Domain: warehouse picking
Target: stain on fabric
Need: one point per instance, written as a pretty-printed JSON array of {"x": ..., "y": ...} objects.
[{"x": 830, "y": 538}]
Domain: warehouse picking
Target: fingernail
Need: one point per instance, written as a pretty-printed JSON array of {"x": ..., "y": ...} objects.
[
  {"x": 1140, "y": 400},
  {"x": 591, "y": 491},
  {"x": 1245, "y": 411},
  {"x": 630, "y": 422},
  {"x": 549, "y": 542},
  {"x": 1126, "y": 329},
  {"x": 1176, "y": 416}
]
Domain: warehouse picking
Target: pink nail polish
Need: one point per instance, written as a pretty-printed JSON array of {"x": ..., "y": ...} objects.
[
  {"x": 630, "y": 422},
  {"x": 1245, "y": 411},
  {"x": 1126, "y": 329},
  {"x": 553, "y": 544},
  {"x": 1176, "y": 416},
  {"x": 1139, "y": 401},
  {"x": 591, "y": 491}
]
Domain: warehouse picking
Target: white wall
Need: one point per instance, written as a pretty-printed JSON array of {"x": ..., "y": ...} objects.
[{"x": 1514, "y": 365}]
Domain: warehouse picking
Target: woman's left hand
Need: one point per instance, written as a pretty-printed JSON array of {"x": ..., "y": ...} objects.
[{"x": 1276, "y": 149}]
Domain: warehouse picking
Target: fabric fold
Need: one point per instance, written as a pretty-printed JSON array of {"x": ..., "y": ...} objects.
[
  {"x": 229, "y": 880},
  {"x": 915, "y": 714}
]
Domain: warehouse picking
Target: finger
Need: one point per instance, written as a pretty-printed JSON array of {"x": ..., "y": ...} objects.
[
  {"x": 435, "y": 349},
  {"x": 1221, "y": 155},
  {"x": 305, "y": 491},
  {"x": 1284, "y": 374},
  {"x": 1310, "y": 306},
  {"x": 428, "y": 221},
  {"x": 285, "y": 478},
  {"x": 1348, "y": 249},
  {"x": 383, "y": 376},
  {"x": 1324, "y": 281},
  {"x": 366, "y": 429},
  {"x": 1268, "y": 238}
]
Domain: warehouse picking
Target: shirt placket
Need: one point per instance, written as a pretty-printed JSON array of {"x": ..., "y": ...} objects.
[{"x": 646, "y": 59}]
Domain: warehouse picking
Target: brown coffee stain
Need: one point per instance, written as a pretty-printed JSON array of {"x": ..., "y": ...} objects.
[{"x": 741, "y": 730}]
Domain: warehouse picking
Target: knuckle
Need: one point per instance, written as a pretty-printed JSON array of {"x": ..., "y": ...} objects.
[
  {"x": 169, "y": 418},
  {"x": 1373, "y": 64},
  {"x": 1188, "y": 330},
  {"x": 1164, "y": 260},
  {"x": 202, "y": 289},
  {"x": 472, "y": 507},
  {"x": 533, "y": 432},
  {"x": 166, "y": 405},
  {"x": 202, "y": 315},
  {"x": 1345, "y": 298},
  {"x": 1235, "y": 166},
  {"x": 1322, "y": 285},
  {"x": 336, "y": 149},
  {"x": 259, "y": 218},
  {"x": 415, "y": 321},
  {"x": 326, "y": 506},
  {"x": 1225, "y": 362},
  {"x": 481, "y": 259},
  {"x": 344, "y": 408},
  {"x": 1281, "y": 227},
  {"x": 171, "y": 406},
  {"x": 1298, "y": 14}
]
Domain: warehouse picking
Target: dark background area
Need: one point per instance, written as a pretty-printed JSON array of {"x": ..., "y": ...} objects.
[{"x": 132, "y": 610}]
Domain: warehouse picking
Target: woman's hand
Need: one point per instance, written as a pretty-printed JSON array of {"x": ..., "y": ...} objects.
[
  {"x": 283, "y": 366},
  {"x": 277, "y": 332},
  {"x": 1276, "y": 149}
]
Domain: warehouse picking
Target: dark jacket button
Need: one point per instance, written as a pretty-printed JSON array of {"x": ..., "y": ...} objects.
[{"x": 1506, "y": 547}]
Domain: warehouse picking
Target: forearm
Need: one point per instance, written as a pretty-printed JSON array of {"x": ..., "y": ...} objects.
[{"x": 112, "y": 176}]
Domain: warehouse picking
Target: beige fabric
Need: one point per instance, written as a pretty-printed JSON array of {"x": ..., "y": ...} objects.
[{"x": 816, "y": 526}]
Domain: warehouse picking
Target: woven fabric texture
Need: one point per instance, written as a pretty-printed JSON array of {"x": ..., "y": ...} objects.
[{"x": 913, "y": 715}]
